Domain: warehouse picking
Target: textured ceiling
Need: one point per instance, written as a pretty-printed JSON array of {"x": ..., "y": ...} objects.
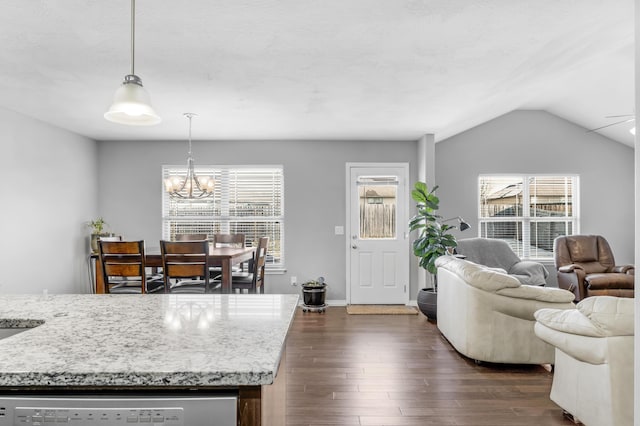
[{"x": 329, "y": 69}]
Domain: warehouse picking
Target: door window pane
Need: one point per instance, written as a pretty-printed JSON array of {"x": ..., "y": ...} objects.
[{"x": 377, "y": 200}]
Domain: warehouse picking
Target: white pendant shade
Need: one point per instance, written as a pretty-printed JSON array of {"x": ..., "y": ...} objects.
[{"x": 132, "y": 105}]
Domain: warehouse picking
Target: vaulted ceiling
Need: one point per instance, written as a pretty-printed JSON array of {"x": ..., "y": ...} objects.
[{"x": 329, "y": 69}]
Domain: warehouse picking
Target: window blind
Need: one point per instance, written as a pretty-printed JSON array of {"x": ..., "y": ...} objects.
[{"x": 528, "y": 211}]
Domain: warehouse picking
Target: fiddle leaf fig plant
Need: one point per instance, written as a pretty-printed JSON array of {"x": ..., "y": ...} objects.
[{"x": 434, "y": 238}]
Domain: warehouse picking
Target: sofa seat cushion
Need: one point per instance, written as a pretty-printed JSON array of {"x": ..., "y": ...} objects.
[{"x": 609, "y": 280}]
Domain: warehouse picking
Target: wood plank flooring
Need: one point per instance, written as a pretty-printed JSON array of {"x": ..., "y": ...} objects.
[{"x": 398, "y": 370}]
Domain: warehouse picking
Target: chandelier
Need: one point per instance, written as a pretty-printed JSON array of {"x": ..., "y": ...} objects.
[
  {"x": 131, "y": 102},
  {"x": 190, "y": 186}
]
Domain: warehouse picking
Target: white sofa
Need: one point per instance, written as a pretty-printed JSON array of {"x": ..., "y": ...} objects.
[
  {"x": 487, "y": 315},
  {"x": 593, "y": 375}
]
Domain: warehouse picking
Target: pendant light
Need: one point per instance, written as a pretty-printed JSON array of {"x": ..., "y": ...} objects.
[
  {"x": 131, "y": 102},
  {"x": 190, "y": 186}
]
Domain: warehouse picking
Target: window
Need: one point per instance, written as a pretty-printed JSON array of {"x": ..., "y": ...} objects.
[
  {"x": 377, "y": 198},
  {"x": 247, "y": 200},
  {"x": 528, "y": 212}
]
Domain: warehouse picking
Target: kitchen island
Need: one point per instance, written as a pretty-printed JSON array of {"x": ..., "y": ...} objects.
[{"x": 233, "y": 344}]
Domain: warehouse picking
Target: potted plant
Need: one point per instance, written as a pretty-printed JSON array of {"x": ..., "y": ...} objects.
[
  {"x": 97, "y": 230},
  {"x": 434, "y": 240},
  {"x": 313, "y": 295}
]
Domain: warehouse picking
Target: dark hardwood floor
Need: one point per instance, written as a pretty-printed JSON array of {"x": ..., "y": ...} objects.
[{"x": 398, "y": 370}]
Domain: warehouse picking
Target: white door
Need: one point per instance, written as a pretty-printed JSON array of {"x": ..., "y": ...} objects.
[{"x": 378, "y": 245}]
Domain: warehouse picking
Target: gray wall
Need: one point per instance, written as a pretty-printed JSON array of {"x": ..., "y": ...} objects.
[
  {"x": 49, "y": 193},
  {"x": 60, "y": 167},
  {"x": 131, "y": 190},
  {"x": 539, "y": 142}
]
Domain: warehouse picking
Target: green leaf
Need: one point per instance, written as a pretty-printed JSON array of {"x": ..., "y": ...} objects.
[{"x": 434, "y": 238}]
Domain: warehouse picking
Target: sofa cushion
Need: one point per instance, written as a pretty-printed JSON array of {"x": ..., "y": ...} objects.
[
  {"x": 479, "y": 276},
  {"x": 583, "y": 248},
  {"x": 609, "y": 280},
  {"x": 569, "y": 321},
  {"x": 613, "y": 315}
]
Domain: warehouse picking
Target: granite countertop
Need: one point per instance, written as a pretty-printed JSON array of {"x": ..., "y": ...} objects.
[{"x": 144, "y": 340}]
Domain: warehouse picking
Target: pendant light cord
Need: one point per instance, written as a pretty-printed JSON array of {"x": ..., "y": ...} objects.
[{"x": 133, "y": 36}]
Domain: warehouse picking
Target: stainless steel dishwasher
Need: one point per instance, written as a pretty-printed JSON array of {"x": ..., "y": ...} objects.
[{"x": 119, "y": 408}]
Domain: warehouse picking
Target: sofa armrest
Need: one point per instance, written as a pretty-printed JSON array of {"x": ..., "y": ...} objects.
[
  {"x": 570, "y": 268},
  {"x": 579, "y": 346},
  {"x": 624, "y": 269},
  {"x": 570, "y": 321},
  {"x": 522, "y": 302},
  {"x": 540, "y": 294},
  {"x": 597, "y": 316}
]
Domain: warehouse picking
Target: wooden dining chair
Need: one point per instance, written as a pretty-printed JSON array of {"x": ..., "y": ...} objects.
[
  {"x": 228, "y": 240},
  {"x": 254, "y": 281},
  {"x": 123, "y": 268},
  {"x": 191, "y": 237},
  {"x": 185, "y": 266}
]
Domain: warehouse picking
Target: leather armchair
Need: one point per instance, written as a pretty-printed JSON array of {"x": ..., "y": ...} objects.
[{"x": 585, "y": 266}]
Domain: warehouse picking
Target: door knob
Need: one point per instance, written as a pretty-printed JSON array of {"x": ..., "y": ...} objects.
[{"x": 354, "y": 246}]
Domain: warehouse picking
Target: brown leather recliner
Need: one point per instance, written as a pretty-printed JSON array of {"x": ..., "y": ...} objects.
[{"x": 586, "y": 267}]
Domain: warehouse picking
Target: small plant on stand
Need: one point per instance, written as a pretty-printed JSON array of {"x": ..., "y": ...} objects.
[
  {"x": 313, "y": 295},
  {"x": 97, "y": 230}
]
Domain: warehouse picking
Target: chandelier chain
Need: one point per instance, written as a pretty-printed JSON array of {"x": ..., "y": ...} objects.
[{"x": 191, "y": 182}]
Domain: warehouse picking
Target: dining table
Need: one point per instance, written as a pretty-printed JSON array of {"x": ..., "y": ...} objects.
[{"x": 222, "y": 257}]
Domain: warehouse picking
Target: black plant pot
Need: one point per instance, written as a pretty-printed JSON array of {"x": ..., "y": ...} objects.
[
  {"x": 314, "y": 295},
  {"x": 428, "y": 303}
]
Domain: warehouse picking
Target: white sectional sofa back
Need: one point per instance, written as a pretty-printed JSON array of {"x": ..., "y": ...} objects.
[{"x": 487, "y": 315}]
